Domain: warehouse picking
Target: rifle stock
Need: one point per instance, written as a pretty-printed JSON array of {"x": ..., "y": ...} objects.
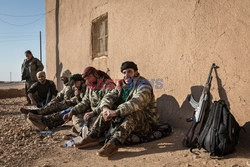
[
  {"x": 187, "y": 141},
  {"x": 200, "y": 108}
]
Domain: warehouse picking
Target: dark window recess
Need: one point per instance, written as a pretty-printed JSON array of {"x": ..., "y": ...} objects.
[{"x": 99, "y": 35}]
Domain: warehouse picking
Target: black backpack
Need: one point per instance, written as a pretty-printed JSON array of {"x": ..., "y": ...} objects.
[{"x": 219, "y": 132}]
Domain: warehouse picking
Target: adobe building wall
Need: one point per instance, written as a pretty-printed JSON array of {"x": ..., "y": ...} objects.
[{"x": 173, "y": 42}]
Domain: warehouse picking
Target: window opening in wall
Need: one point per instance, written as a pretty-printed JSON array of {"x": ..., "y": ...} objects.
[{"x": 99, "y": 35}]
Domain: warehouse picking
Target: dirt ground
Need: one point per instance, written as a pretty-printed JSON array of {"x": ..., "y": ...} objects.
[
  {"x": 11, "y": 89},
  {"x": 22, "y": 146}
]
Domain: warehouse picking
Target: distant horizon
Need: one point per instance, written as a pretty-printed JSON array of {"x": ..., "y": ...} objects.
[
  {"x": 20, "y": 26},
  {"x": 12, "y": 81}
]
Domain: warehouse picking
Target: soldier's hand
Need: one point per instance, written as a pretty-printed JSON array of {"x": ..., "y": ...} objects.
[
  {"x": 88, "y": 115},
  {"x": 105, "y": 113},
  {"x": 108, "y": 114},
  {"x": 67, "y": 116},
  {"x": 68, "y": 102},
  {"x": 111, "y": 114},
  {"x": 77, "y": 93}
]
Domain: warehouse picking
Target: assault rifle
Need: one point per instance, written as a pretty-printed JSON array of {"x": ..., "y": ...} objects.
[{"x": 199, "y": 107}]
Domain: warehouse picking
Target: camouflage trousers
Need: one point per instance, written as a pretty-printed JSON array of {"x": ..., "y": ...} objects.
[
  {"x": 56, "y": 119},
  {"x": 53, "y": 120},
  {"x": 53, "y": 107},
  {"x": 121, "y": 127},
  {"x": 78, "y": 122}
]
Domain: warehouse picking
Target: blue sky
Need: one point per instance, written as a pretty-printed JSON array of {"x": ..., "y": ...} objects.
[{"x": 20, "y": 24}]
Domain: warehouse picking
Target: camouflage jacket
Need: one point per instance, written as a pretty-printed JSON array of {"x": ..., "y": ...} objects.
[
  {"x": 93, "y": 96},
  {"x": 30, "y": 68},
  {"x": 140, "y": 99},
  {"x": 65, "y": 94}
]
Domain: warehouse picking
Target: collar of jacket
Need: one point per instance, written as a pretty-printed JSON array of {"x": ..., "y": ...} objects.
[{"x": 135, "y": 84}]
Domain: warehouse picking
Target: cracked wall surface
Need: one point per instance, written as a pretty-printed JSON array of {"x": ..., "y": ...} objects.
[{"x": 174, "y": 41}]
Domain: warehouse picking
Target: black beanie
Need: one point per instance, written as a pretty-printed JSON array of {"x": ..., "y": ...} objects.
[
  {"x": 128, "y": 64},
  {"x": 75, "y": 77}
]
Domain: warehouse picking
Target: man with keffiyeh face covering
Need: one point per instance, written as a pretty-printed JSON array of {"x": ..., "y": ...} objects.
[
  {"x": 98, "y": 85},
  {"x": 129, "y": 108}
]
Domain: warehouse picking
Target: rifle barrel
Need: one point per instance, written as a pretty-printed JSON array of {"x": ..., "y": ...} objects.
[{"x": 210, "y": 72}]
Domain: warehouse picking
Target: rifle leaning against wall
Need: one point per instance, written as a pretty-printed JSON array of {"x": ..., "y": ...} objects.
[{"x": 199, "y": 107}]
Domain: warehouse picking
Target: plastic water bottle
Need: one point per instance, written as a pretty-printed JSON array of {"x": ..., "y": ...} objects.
[
  {"x": 63, "y": 112},
  {"x": 85, "y": 130},
  {"x": 46, "y": 132},
  {"x": 71, "y": 142}
]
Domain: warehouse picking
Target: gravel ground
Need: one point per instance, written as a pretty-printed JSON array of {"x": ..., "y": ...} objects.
[{"x": 22, "y": 146}]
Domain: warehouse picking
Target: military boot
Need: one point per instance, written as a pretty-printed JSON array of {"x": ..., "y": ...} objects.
[
  {"x": 36, "y": 121},
  {"x": 108, "y": 149},
  {"x": 27, "y": 110}
]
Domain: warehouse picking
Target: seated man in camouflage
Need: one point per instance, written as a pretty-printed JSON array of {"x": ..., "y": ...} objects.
[
  {"x": 57, "y": 103},
  {"x": 53, "y": 116},
  {"x": 41, "y": 92},
  {"x": 98, "y": 85},
  {"x": 129, "y": 108}
]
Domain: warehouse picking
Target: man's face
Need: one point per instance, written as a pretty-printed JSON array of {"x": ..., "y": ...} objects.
[
  {"x": 128, "y": 74},
  {"x": 77, "y": 84},
  {"x": 42, "y": 79},
  {"x": 90, "y": 79},
  {"x": 64, "y": 79},
  {"x": 28, "y": 56}
]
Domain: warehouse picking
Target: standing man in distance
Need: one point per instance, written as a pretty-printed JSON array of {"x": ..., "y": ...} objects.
[{"x": 30, "y": 67}]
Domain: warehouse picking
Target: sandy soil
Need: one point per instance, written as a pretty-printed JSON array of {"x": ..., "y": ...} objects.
[{"x": 22, "y": 146}]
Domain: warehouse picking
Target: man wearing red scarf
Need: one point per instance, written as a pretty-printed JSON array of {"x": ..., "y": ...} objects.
[{"x": 98, "y": 85}]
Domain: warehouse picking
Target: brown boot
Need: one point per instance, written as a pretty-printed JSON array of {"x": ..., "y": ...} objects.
[
  {"x": 24, "y": 110},
  {"x": 108, "y": 149},
  {"x": 27, "y": 104},
  {"x": 73, "y": 129},
  {"x": 30, "y": 109},
  {"x": 87, "y": 142},
  {"x": 36, "y": 121}
]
